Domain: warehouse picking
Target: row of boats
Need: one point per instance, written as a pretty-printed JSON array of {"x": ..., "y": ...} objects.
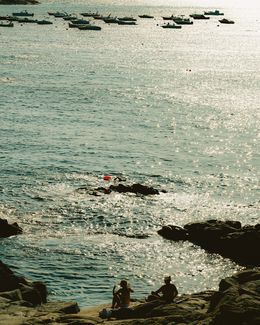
[{"x": 176, "y": 21}]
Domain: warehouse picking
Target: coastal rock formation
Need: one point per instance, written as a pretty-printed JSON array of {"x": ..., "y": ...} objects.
[
  {"x": 236, "y": 302},
  {"x": 121, "y": 188},
  {"x": 23, "y": 301},
  {"x": 227, "y": 238},
  {"x": 18, "y": 288},
  {"x": 7, "y": 230}
]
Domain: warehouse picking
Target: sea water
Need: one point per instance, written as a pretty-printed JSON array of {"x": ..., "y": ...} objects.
[{"x": 174, "y": 109}]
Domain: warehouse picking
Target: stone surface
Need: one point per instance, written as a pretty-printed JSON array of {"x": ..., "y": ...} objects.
[
  {"x": 227, "y": 238},
  {"x": 7, "y": 230},
  {"x": 236, "y": 302}
]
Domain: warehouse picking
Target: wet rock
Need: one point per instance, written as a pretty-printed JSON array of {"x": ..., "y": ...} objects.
[
  {"x": 227, "y": 238},
  {"x": 173, "y": 232},
  {"x": 7, "y": 230},
  {"x": 135, "y": 188},
  {"x": 238, "y": 300},
  {"x": 33, "y": 292}
]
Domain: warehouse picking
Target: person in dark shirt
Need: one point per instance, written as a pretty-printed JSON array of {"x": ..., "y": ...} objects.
[{"x": 167, "y": 292}]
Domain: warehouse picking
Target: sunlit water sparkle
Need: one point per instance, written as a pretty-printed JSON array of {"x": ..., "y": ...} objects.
[{"x": 174, "y": 109}]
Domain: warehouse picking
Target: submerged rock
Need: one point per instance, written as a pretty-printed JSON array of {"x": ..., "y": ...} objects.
[
  {"x": 227, "y": 238},
  {"x": 7, "y": 230}
]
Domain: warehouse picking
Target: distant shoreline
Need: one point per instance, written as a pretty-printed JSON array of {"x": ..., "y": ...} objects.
[{"x": 19, "y": 2}]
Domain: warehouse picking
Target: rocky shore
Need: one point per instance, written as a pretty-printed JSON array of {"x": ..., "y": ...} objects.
[
  {"x": 24, "y": 302},
  {"x": 236, "y": 302},
  {"x": 227, "y": 238}
]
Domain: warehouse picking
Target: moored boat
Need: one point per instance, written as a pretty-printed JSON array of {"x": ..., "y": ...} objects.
[
  {"x": 44, "y": 22},
  {"x": 126, "y": 18},
  {"x": 182, "y": 21},
  {"x": 214, "y": 13},
  {"x": 111, "y": 20},
  {"x": 23, "y": 13},
  {"x": 89, "y": 27},
  {"x": 89, "y": 14},
  {"x": 174, "y": 26},
  {"x": 168, "y": 17},
  {"x": 145, "y": 16},
  {"x": 226, "y": 21},
  {"x": 199, "y": 16},
  {"x": 126, "y": 22}
]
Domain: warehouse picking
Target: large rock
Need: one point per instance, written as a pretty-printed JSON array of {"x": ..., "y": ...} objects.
[
  {"x": 135, "y": 188},
  {"x": 7, "y": 230},
  {"x": 33, "y": 292},
  {"x": 227, "y": 238},
  {"x": 238, "y": 300}
]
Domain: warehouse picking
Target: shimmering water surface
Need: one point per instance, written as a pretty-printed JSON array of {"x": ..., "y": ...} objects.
[{"x": 174, "y": 109}]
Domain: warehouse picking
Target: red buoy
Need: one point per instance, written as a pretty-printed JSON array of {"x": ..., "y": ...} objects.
[{"x": 106, "y": 178}]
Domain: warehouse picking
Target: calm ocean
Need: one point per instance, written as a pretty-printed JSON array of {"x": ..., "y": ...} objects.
[{"x": 174, "y": 109}]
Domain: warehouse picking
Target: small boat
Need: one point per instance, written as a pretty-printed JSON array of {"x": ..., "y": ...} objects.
[
  {"x": 9, "y": 24},
  {"x": 60, "y": 14},
  {"x": 199, "y": 16},
  {"x": 80, "y": 22},
  {"x": 44, "y": 22},
  {"x": 126, "y": 18},
  {"x": 89, "y": 27},
  {"x": 23, "y": 13},
  {"x": 168, "y": 25},
  {"x": 213, "y": 13},
  {"x": 182, "y": 21},
  {"x": 89, "y": 14},
  {"x": 145, "y": 16},
  {"x": 26, "y": 20},
  {"x": 126, "y": 22},
  {"x": 70, "y": 17},
  {"x": 226, "y": 21},
  {"x": 111, "y": 20},
  {"x": 168, "y": 17}
]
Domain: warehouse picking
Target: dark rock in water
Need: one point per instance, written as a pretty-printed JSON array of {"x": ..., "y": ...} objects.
[
  {"x": 135, "y": 188},
  {"x": 227, "y": 238},
  {"x": 120, "y": 188},
  {"x": 7, "y": 230},
  {"x": 173, "y": 233}
]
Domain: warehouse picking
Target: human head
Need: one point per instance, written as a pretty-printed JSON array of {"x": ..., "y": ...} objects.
[
  {"x": 123, "y": 283},
  {"x": 167, "y": 279}
]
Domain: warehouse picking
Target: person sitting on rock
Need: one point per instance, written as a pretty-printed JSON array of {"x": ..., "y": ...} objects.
[
  {"x": 121, "y": 297},
  {"x": 166, "y": 293}
]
